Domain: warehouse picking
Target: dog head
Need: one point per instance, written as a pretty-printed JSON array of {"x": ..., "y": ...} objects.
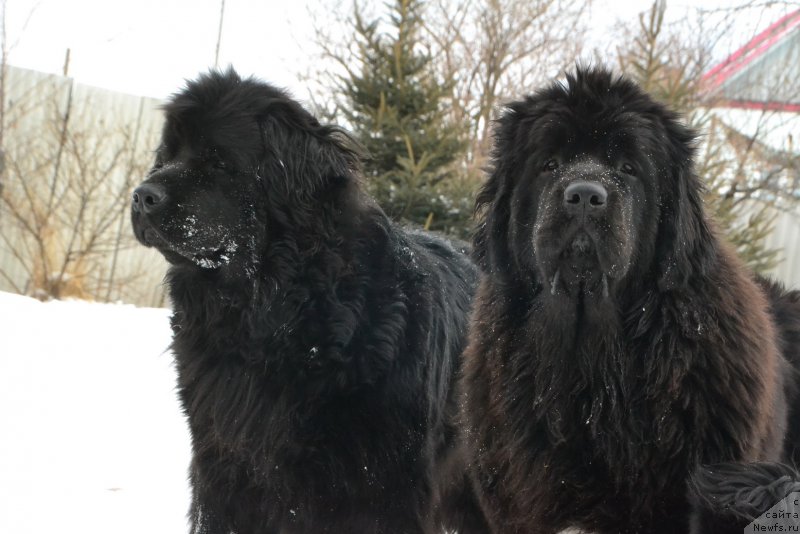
[
  {"x": 239, "y": 165},
  {"x": 592, "y": 186}
]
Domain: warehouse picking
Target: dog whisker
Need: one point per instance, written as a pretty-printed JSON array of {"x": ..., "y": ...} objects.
[{"x": 554, "y": 283}]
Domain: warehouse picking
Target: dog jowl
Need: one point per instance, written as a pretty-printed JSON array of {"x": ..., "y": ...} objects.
[
  {"x": 193, "y": 204},
  {"x": 585, "y": 232}
]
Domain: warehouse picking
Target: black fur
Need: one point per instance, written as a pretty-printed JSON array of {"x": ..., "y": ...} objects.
[
  {"x": 617, "y": 345},
  {"x": 316, "y": 341},
  {"x": 728, "y": 497}
]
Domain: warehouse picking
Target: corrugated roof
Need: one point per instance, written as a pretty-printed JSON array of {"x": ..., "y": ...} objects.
[{"x": 764, "y": 73}]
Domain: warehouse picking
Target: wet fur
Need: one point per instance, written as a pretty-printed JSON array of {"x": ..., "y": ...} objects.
[
  {"x": 594, "y": 411},
  {"x": 316, "y": 359}
]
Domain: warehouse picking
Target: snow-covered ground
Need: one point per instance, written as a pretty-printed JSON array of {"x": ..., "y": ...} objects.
[{"x": 92, "y": 439}]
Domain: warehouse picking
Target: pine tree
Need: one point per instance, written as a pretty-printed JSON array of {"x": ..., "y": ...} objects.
[{"x": 395, "y": 105}]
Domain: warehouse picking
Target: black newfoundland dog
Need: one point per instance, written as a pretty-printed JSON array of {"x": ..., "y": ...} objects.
[
  {"x": 623, "y": 367},
  {"x": 316, "y": 342}
]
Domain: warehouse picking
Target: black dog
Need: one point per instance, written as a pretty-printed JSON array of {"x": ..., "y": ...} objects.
[
  {"x": 316, "y": 341},
  {"x": 618, "y": 345}
]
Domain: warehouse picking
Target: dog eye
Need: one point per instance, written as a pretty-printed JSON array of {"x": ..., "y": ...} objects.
[
  {"x": 627, "y": 168},
  {"x": 212, "y": 157},
  {"x": 551, "y": 165}
]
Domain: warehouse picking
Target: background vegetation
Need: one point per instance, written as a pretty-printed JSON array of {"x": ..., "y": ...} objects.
[{"x": 419, "y": 84}]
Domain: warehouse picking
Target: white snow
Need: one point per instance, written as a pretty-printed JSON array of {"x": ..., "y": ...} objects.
[{"x": 92, "y": 439}]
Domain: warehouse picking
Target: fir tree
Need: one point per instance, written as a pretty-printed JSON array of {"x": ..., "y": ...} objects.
[{"x": 396, "y": 106}]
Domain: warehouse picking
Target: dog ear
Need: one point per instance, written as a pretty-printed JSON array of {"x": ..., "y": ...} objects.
[
  {"x": 491, "y": 213},
  {"x": 687, "y": 244},
  {"x": 301, "y": 156},
  {"x": 493, "y": 204}
]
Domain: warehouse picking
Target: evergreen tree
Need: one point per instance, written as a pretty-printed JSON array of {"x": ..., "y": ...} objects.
[{"x": 396, "y": 106}]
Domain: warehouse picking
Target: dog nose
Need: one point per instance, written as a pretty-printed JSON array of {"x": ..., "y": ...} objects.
[
  {"x": 148, "y": 198},
  {"x": 585, "y": 196}
]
